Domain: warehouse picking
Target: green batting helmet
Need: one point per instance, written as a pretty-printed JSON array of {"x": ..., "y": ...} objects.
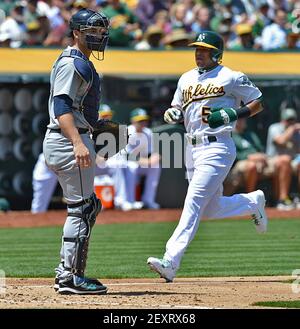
[
  {"x": 139, "y": 114},
  {"x": 212, "y": 40}
]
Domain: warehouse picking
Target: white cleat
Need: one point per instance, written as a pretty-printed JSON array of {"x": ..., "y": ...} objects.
[
  {"x": 137, "y": 205},
  {"x": 260, "y": 217},
  {"x": 163, "y": 267},
  {"x": 125, "y": 206}
]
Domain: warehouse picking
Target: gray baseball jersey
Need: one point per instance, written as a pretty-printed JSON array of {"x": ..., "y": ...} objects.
[{"x": 75, "y": 77}]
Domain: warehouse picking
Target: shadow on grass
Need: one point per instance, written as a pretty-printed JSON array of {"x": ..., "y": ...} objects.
[{"x": 284, "y": 304}]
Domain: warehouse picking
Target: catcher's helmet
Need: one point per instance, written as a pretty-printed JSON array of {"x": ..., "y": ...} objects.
[
  {"x": 213, "y": 41},
  {"x": 95, "y": 25}
]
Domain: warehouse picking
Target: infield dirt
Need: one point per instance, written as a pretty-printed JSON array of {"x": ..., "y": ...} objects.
[{"x": 229, "y": 292}]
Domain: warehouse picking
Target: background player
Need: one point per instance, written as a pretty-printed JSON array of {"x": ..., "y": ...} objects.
[
  {"x": 283, "y": 141},
  {"x": 208, "y": 99},
  {"x": 43, "y": 184},
  {"x": 68, "y": 147},
  {"x": 113, "y": 167},
  {"x": 142, "y": 161},
  {"x": 105, "y": 112}
]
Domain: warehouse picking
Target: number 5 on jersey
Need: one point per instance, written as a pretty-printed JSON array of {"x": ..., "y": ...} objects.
[{"x": 205, "y": 112}]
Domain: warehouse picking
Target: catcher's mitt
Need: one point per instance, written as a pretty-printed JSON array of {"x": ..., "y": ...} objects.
[{"x": 110, "y": 137}]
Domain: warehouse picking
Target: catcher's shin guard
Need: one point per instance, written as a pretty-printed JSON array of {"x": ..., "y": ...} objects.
[
  {"x": 81, "y": 252},
  {"x": 87, "y": 212}
]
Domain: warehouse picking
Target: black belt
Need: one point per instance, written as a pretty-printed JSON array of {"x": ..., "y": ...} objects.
[
  {"x": 210, "y": 139},
  {"x": 80, "y": 130}
]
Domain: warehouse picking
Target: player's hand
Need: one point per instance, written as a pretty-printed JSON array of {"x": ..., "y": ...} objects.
[
  {"x": 151, "y": 162},
  {"x": 154, "y": 160},
  {"x": 296, "y": 127},
  {"x": 82, "y": 155},
  {"x": 258, "y": 157},
  {"x": 173, "y": 116},
  {"x": 221, "y": 116}
]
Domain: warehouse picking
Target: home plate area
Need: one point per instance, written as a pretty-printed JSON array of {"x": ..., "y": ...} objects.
[{"x": 183, "y": 293}]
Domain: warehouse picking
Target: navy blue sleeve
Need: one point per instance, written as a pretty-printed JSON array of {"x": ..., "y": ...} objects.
[
  {"x": 62, "y": 105},
  {"x": 83, "y": 69}
]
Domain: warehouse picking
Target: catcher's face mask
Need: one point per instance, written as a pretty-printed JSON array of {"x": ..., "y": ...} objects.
[
  {"x": 94, "y": 27},
  {"x": 96, "y": 39}
]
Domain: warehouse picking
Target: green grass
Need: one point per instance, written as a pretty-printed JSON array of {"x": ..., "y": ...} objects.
[
  {"x": 220, "y": 248},
  {"x": 285, "y": 304}
]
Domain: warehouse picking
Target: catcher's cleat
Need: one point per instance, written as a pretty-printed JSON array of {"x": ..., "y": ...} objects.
[
  {"x": 163, "y": 267},
  {"x": 82, "y": 286},
  {"x": 56, "y": 282},
  {"x": 260, "y": 218}
]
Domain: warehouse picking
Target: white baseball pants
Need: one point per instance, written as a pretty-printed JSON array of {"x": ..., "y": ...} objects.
[
  {"x": 152, "y": 175},
  {"x": 207, "y": 165},
  {"x": 43, "y": 184}
]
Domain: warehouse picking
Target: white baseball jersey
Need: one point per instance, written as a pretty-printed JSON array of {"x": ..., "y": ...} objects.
[
  {"x": 209, "y": 163},
  {"x": 140, "y": 144},
  {"x": 221, "y": 87}
]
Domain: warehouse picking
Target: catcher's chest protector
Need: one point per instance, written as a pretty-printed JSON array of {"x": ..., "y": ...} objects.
[{"x": 90, "y": 100}]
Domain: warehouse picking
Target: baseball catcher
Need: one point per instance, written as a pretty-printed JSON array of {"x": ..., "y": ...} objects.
[{"x": 69, "y": 149}]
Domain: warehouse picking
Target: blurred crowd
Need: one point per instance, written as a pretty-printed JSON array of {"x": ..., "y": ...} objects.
[
  {"x": 152, "y": 24},
  {"x": 277, "y": 161}
]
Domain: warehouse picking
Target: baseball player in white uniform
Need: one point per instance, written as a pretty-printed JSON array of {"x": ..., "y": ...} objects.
[
  {"x": 113, "y": 167},
  {"x": 44, "y": 182},
  {"x": 142, "y": 161},
  {"x": 209, "y": 99}
]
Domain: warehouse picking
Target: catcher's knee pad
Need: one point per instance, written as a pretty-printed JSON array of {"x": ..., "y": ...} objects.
[{"x": 87, "y": 209}]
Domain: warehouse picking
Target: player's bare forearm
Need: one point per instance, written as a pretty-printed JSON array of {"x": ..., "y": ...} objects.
[
  {"x": 152, "y": 161},
  {"x": 287, "y": 135},
  {"x": 255, "y": 107},
  {"x": 67, "y": 125}
]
